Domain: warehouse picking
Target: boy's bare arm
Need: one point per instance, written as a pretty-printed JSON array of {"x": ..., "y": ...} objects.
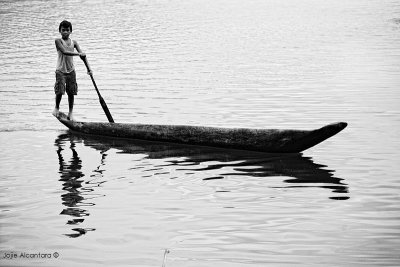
[
  {"x": 83, "y": 56},
  {"x": 65, "y": 52},
  {"x": 78, "y": 48}
]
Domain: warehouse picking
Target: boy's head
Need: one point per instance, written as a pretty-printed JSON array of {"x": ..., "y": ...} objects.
[{"x": 65, "y": 24}]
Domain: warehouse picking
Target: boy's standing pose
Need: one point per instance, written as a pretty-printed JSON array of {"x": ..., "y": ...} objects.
[{"x": 65, "y": 70}]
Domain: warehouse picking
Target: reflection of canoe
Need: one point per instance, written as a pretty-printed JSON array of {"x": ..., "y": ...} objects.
[
  {"x": 297, "y": 171},
  {"x": 263, "y": 140}
]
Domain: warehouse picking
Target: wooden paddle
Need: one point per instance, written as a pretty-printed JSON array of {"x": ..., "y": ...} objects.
[{"x": 102, "y": 102}]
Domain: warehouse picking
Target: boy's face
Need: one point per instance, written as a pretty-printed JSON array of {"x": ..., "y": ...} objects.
[{"x": 65, "y": 32}]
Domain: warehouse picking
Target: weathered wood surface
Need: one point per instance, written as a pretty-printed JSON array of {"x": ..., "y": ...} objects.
[{"x": 263, "y": 140}]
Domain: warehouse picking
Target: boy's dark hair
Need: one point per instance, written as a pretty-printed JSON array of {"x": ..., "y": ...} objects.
[{"x": 65, "y": 24}]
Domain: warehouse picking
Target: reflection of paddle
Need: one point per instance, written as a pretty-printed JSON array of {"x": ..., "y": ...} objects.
[{"x": 102, "y": 102}]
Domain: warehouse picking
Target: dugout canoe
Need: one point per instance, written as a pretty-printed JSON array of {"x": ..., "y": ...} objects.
[{"x": 262, "y": 140}]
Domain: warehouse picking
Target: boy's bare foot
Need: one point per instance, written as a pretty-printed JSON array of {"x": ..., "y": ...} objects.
[
  {"x": 56, "y": 112},
  {"x": 70, "y": 116}
]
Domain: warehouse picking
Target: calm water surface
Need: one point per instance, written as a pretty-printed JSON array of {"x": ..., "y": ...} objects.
[{"x": 257, "y": 64}]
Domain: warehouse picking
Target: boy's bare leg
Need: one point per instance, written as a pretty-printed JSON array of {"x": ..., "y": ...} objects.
[
  {"x": 57, "y": 107},
  {"x": 71, "y": 106}
]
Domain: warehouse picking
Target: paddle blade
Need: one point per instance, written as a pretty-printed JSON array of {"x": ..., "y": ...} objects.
[{"x": 106, "y": 111}]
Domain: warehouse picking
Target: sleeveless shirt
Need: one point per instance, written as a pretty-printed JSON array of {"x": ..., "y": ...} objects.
[{"x": 65, "y": 63}]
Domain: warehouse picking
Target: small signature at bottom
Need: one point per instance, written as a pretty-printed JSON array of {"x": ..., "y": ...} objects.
[{"x": 28, "y": 255}]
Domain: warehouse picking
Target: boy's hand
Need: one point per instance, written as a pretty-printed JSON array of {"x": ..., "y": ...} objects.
[{"x": 82, "y": 56}]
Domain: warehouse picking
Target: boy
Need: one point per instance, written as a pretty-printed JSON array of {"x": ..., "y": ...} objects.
[{"x": 65, "y": 70}]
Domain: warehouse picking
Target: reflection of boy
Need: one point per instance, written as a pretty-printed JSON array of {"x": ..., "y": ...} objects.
[{"x": 65, "y": 70}]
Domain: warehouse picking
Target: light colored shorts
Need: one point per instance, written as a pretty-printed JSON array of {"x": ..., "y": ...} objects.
[{"x": 66, "y": 82}]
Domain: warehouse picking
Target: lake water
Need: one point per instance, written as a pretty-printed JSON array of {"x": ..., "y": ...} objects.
[{"x": 258, "y": 64}]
